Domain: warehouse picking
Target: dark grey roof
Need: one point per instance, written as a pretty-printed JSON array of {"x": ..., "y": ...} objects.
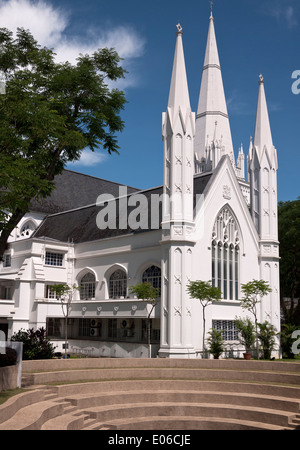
[
  {"x": 80, "y": 225},
  {"x": 75, "y": 190}
]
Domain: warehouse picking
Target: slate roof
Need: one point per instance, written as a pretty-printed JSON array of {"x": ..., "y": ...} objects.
[
  {"x": 75, "y": 190},
  {"x": 79, "y": 225}
]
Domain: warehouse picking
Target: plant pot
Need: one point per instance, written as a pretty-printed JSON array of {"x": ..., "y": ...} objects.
[{"x": 247, "y": 356}]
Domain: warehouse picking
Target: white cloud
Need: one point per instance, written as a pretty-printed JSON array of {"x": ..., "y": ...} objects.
[
  {"x": 48, "y": 24},
  {"x": 237, "y": 104},
  {"x": 285, "y": 14},
  {"x": 89, "y": 158},
  {"x": 44, "y": 21}
]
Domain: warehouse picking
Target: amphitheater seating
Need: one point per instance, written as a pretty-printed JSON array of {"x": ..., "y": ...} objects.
[{"x": 157, "y": 394}]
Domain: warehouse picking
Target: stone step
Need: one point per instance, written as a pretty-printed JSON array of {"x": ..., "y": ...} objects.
[
  {"x": 33, "y": 416},
  {"x": 14, "y": 404},
  {"x": 105, "y": 415},
  {"x": 112, "y": 394},
  {"x": 82, "y": 401},
  {"x": 73, "y": 420},
  {"x": 113, "y": 363},
  {"x": 186, "y": 423},
  {"x": 95, "y": 387},
  {"x": 164, "y": 373}
]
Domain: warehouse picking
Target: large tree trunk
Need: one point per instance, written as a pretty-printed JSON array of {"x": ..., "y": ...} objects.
[{"x": 8, "y": 229}]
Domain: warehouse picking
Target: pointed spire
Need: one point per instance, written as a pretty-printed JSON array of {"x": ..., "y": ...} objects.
[
  {"x": 179, "y": 93},
  {"x": 263, "y": 135},
  {"x": 212, "y": 103}
]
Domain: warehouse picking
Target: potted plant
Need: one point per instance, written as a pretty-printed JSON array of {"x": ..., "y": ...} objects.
[
  {"x": 215, "y": 343},
  {"x": 246, "y": 331}
]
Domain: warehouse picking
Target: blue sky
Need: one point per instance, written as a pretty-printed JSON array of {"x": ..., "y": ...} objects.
[{"x": 254, "y": 36}]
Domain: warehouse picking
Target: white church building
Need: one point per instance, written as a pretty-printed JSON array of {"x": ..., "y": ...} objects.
[{"x": 213, "y": 219}]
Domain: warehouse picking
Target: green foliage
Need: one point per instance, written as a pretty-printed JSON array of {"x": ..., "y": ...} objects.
[
  {"x": 145, "y": 291},
  {"x": 266, "y": 336},
  {"x": 36, "y": 345},
  {"x": 246, "y": 332},
  {"x": 253, "y": 292},
  {"x": 49, "y": 113},
  {"x": 286, "y": 340},
  {"x": 203, "y": 291},
  {"x": 215, "y": 343},
  {"x": 289, "y": 238},
  {"x": 206, "y": 294}
]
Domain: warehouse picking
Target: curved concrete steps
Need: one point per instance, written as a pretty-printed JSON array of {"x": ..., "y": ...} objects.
[{"x": 155, "y": 394}]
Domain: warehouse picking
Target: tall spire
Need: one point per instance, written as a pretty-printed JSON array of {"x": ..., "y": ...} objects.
[
  {"x": 263, "y": 135},
  {"x": 178, "y": 130},
  {"x": 212, "y": 103},
  {"x": 179, "y": 93}
]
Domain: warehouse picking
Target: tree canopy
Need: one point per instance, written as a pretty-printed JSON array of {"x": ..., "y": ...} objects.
[
  {"x": 49, "y": 113},
  {"x": 289, "y": 238}
]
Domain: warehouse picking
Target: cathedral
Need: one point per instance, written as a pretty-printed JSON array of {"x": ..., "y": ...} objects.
[{"x": 213, "y": 219}]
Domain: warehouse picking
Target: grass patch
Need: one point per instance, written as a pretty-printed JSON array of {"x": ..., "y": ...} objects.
[{"x": 5, "y": 395}]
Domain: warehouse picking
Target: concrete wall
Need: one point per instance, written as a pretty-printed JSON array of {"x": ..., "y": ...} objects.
[{"x": 8, "y": 377}]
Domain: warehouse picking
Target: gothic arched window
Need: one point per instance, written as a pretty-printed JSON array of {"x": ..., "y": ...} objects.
[
  {"x": 225, "y": 255},
  {"x": 27, "y": 229},
  {"x": 87, "y": 286},
  {"x": 152, "y": 275},
  {"x": 118, "y": 284}
]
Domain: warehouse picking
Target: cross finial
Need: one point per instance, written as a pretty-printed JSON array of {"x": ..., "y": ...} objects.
[{"x": 179, "y": 28}]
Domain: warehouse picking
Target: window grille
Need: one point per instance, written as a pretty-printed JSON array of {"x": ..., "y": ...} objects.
[
  {"x": 112, "y": 328},
  {"x": 84, "y": 327},
  {"x": 228, "y": 329},
  {"x": 152, "y": 275},
  {"x": 87, "y": 286},
  {"x": 54, "y": 327},
  {"x": 118, "y": 284},
  {"x": 54, "y": 259},
  {"x": 50, "y": 293},
  {"x": 7, "y": 260}
]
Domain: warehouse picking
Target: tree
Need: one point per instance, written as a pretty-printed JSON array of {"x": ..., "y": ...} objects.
[
  {"x": 253, "y": 292},
  {"x": 49, "y": 113},
  {"x": 65, "y": 294},
  {"x": 246, "y": 332},
  {"x": 203, "y": 291},
  {"x": 146, "y": 292},
  {"x": 289, "y": 238},
  {"x": 215, "y": 342}
]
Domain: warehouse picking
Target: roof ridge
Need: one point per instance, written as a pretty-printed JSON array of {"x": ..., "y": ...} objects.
[{"x": 97, "y": 178}]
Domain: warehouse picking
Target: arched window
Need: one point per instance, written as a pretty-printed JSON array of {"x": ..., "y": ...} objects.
[
  {"x": 225, "y": 255},
  {"x": 27, "y": 229},
  {"x": 152, "y": 275},
  {"x": 87, "y": 286},
  {"x": 118, "y": 284}
]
